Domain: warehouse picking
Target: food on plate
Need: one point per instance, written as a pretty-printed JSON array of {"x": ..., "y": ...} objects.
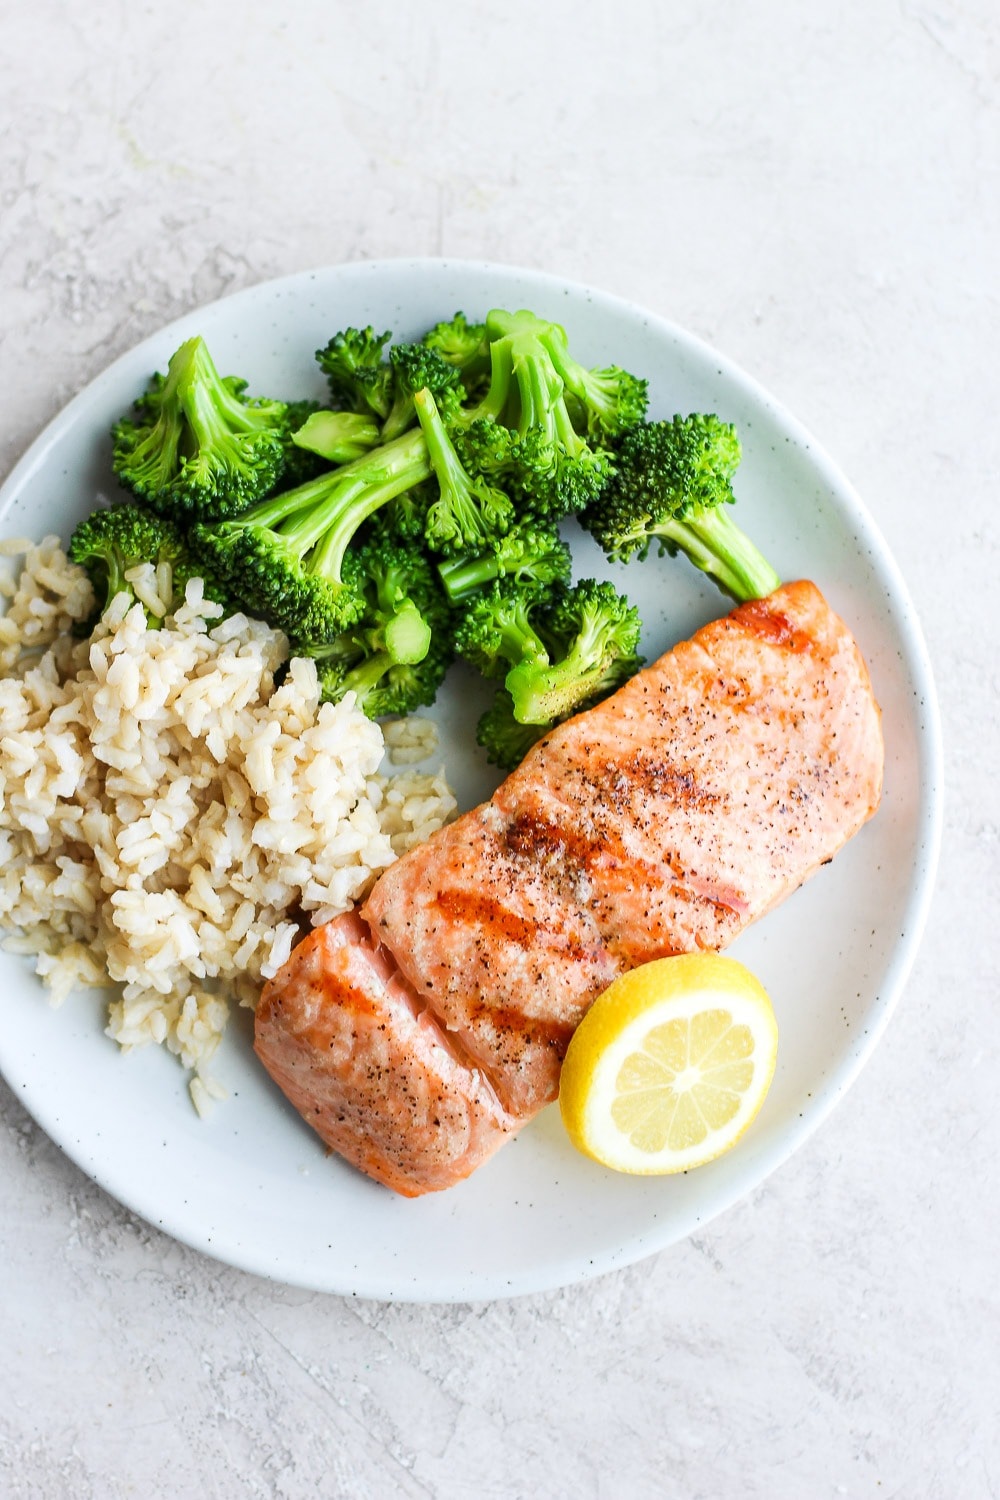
[
  {"x": 125, "y": 549},
  {"x": 378, "y": 383},
  {"x": 289, "y": 554},
  {"x": 461, "y": 452},
  {"x": 557, "y": 648},
  {"x": 337, "y": 436},
  {"x": 189, "y": 789},
  {"x": 661, "y": 821},
  {"x": 179, "y": 796},
  {"x": 374, "y": 1073},
  {"x": 394, "y": 658},
  {"x": 529, "y": 552},
  {"x": 197, "y": 445},
  {"x": 670, "y": 1065},
  {"x": 170, "y": 816},
  {"x": 671, "y": 483}
]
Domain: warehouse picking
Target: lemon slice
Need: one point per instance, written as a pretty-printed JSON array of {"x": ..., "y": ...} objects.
[{"x": 670, "y": 1065}]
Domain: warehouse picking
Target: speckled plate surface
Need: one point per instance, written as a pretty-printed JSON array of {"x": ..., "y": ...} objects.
[{"x": 252, "y": 1185}]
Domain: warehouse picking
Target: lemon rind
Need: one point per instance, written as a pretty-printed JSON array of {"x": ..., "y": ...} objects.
[{"x": 616, "y": 1026}]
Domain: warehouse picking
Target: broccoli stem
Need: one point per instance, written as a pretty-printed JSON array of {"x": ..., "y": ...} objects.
[
  {"x": 523, "y": 553},
  {"x": 494, "y": 403},
  {"x": 445, "y": 462},
  {"x": 218, "y": 419},
  {"x": 211, "y": 408},
  {"x": 407, "y": 634},
  {"x": 716, "y": 545},
  {"x": 520, "y": 644},
  {"x": 407, "y": 469},
  {"x": 544, "y": 692},
  {"x": 325, "y": 512},
  {"x": 338, "y": 436},
  {"x": 366, "y": 675},
  {"x": 540, "y": 392},
  {"x": 468, "y": 511},
  {"x": 462, "y": 575}
]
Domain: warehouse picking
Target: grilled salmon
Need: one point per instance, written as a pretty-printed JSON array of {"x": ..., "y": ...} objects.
[
  {"x": 418, "y": 1034},
  {"x": 371, "y": 1069}
]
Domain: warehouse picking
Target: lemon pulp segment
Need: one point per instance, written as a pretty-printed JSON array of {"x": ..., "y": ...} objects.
[{"x": 670, "y": 1065}]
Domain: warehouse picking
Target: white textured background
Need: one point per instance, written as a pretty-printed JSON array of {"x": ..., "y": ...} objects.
[{"x": 814, "y": 189}]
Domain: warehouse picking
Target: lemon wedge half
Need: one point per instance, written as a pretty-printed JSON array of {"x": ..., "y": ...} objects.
[{"x": 670, "y": 1064}]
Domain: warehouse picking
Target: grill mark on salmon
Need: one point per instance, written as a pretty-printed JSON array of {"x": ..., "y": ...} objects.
[
  {"x": 759, "y": 618},
  {"x": 339, "y": 1029},
  {"x": 663, "y": 820}
]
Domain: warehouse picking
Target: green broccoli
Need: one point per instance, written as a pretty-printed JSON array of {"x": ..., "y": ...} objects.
[
  {"x": 494, "y": 630},
  {"x": 198, "y": 447},
  {"x": 553, "y": 469},
  {"x": 337, "y": 436},
  {"x": 405, "y": 606},
  {"x": 359, "y": 376},
  {"x": 671, "y": 484},
  {"x": 464, "y": 345},
  {"x": 610, "y": 399},
  {"x": 381, "y": 686},
  {"x": 528, "y": 551},
  {"x": 416, "y": 367},
  {"x": 302, "y": 463},
  {"x": 469, "y": 512},
  {"x": 286, "y": 556},
  {"x": 395, "y": 656},
  {"x": 592, "y": 633},
  {"x": 404, "y": 519},
  {"x": 505, "y": 741},
  {"x": 557, "y": 650},
  {"x": 111, "y": 543}
]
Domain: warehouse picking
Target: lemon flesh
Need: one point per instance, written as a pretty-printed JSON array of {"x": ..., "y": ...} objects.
[{"x": 670, "y": 1065}]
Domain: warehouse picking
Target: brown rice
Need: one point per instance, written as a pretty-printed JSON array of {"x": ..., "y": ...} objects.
[{"x": 168, "y": 817}]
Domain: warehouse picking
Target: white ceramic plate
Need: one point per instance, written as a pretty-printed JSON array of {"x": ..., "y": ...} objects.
[{"x": 252, "y": 1185}]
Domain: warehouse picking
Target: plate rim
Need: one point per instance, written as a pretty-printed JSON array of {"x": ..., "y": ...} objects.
[{"x": 928, "y": 823}]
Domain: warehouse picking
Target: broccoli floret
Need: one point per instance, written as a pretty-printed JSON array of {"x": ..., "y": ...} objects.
[
  {"x": 404, "y": 519},
  {"x": 469, "y": 512},
  {"x": 110, "y": 543},
  {"x": 672, "y": 482},
  {"x": 113, "y": 543},
  {"x": 611, "y": 399},
  {"x": 494, "y": 630},
  {"x": 553, "y": 469},
  {"x": 395, "y": 656},
  {"x": 505, "y": 741},
  {"x": 486, "y": 447},
  {"x": 464, "y": 345},
  {"x": 301, "y": 463},
  {"x": 557, "y": 651},
  {"x": 360, "y": 378},
  {"x": 416, "y": 367},
  {"x": 543, "y": 488},
  {"x": 285, "y": 556},
  {"x": 337, "y": 436},
  {"x": 591, "y": 632},
  {"x": 198, "y": 447},
  {"x": 381, "y": 686},
  {"x": 529, "y": 551},
  {"x": 404, "y": 603}
]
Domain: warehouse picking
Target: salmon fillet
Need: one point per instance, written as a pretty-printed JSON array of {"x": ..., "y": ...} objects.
[
  {"x": 663, "y": 820},
  {"x": 369, "y": 1069}
]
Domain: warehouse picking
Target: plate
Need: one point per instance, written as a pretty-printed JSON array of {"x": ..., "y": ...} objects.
[{"x": 252, "y": 1185}]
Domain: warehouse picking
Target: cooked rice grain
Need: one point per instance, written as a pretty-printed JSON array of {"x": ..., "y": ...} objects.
[{"x": 170, "y": 818}]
